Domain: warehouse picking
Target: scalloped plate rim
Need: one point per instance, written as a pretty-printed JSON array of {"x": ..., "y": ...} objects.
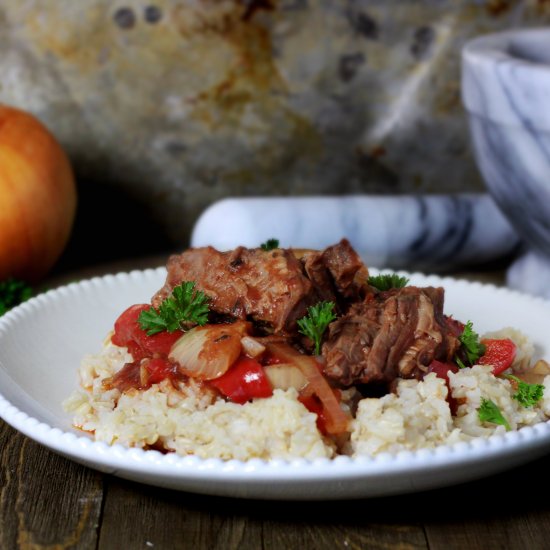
[{"x": 181, "y": 473}]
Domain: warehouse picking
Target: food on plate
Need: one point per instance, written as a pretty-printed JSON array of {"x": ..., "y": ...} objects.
[{"x": 277, "y": 353}]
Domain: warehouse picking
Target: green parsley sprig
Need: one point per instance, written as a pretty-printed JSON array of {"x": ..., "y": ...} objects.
[
  {"x": 387, "y": 281},
  {"x": 12, "y": 293},
  {"x": 314, "y": 324},
  {"x": 489, "y": 412},
  {"x": 186, "y": 306},
  {"x": 472, "y": 347},
  {"x": 270, "y": 244},
  {"x": 527, "y": 395}
]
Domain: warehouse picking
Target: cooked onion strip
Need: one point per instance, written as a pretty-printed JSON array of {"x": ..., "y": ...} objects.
[
  {"x": 336, "y": 420},
  {"x": 252, "y": 347},
  {"x": 537, "y": 374},
  {"x": 284, "y": 376},
  {"x": 207, "y": 352}
]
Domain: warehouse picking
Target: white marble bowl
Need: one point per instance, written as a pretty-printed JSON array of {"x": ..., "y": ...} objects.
[{"x": 506, "y": 93}]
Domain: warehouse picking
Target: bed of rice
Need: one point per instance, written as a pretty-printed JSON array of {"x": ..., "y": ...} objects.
[{"x": 192, "y": 420}]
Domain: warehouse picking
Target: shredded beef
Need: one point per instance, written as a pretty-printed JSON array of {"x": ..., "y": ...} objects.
[
  {"x": 268, "y": 287},
  {"x": 338, "y": 273},
  {"x": 378, "y": 336},
  {"x": 348, "y": 271},
  {"x": 272, "y": 288},
  {"x": 392, "y": 334}
]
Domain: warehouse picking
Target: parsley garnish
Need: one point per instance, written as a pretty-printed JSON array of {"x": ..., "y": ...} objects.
[
  {"x": 527, "y": 395},
  {"x": 489, "y": 412},
  {"x": 459, "y": 363},
  {"x": 471, "y": 345},
  {"x": 314, "y": 324},
  {"x": 388, "y": 281},
  {"x": 186, "y": 306},
  {"x": 270, "y": 244},
  {"x": 12, "y": 293}
]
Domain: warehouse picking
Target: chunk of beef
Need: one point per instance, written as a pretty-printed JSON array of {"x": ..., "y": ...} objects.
[
  {"x": 268, "y": 287},
  {"x": 337, "y": 273},
  {"x": 319, "y": 275},
  {"x": 346, "y": 268},
  {"x": 392, "y": 334}
]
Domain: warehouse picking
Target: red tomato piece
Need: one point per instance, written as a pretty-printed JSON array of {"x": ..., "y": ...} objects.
[
  {"x": 314, "y": 405},
  {"x": 244, "y": 381},
  {"x": 159, "y": 343},
  {"x": 159, "y": 369},
  {"x": 129, "y": 376},
  {"x": 442, "y": 371},
  {"x": 142, "y": 374},
  {"x": 135, "y": 350},
  {"x": 126, "y": 326},
  {"x": 500, "y": 353},
  {"x": 128, "y": 333}
]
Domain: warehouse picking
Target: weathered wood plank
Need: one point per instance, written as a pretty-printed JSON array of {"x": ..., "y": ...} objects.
[
  {"x": 140, "y": 516},
  {"x": 373, "y": 523},
  {"x": 46, "y": 501},
  {"x": 49, "y": 502},
  {"x": 504, "y": 511}
]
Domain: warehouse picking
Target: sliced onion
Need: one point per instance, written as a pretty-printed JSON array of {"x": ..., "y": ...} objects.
[
  {"x": 537, "y": 374},
  {"x": 252, "y": 347},
  {"x": 284, "y": 376},
  {"x": 143, "y": 376},
  {"x": 207, "y": 352},
  {"x": 336, "y": 419}
]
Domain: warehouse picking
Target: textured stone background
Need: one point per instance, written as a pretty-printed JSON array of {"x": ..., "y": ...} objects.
[{"x": 166, "y": 106}]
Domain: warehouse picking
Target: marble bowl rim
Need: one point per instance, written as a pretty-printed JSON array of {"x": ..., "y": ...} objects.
[
  {"x": 494, "y": 47},
  {"x": 486, "y": 54}
]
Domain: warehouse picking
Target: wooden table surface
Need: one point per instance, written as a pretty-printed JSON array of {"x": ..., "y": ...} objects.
[{"x": 47, "y": 501}]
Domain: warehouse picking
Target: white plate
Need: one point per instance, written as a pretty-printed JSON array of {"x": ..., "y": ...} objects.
[{"x": 43, "y": 340}]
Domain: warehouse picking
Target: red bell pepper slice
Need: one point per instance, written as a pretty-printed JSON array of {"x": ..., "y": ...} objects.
[{"x": 244, "y": 381}]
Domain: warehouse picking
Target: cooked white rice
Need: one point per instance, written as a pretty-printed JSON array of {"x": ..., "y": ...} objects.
[{"x": 193, "y": 420}]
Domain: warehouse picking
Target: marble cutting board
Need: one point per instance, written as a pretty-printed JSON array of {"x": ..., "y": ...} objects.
[{"x": 412, "y": 232}]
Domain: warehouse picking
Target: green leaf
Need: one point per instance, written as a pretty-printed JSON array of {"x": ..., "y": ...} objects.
[
  {"x": 314, "y": 324},
  {"x": 270, "y": 244},
  {"x": 489, "y": 412},
  {"x": 471, "y": 345},
  {"x": 388, "y": 281},
  {"x": 12, "y": 293},
  {"x": 186, "y": 306},
  {"x": 460, "y": 364},
  {"x": 527, "y": 395}
]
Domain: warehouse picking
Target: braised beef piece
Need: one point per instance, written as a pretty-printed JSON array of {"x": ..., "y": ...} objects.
[
  {"x": 272, "y": 288},
  {"x": 338, "y": 273},
  {"x": 390, "y": 334},
  {"x": 268, "y": 287},
  {"x": 378, "y": 336}
]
